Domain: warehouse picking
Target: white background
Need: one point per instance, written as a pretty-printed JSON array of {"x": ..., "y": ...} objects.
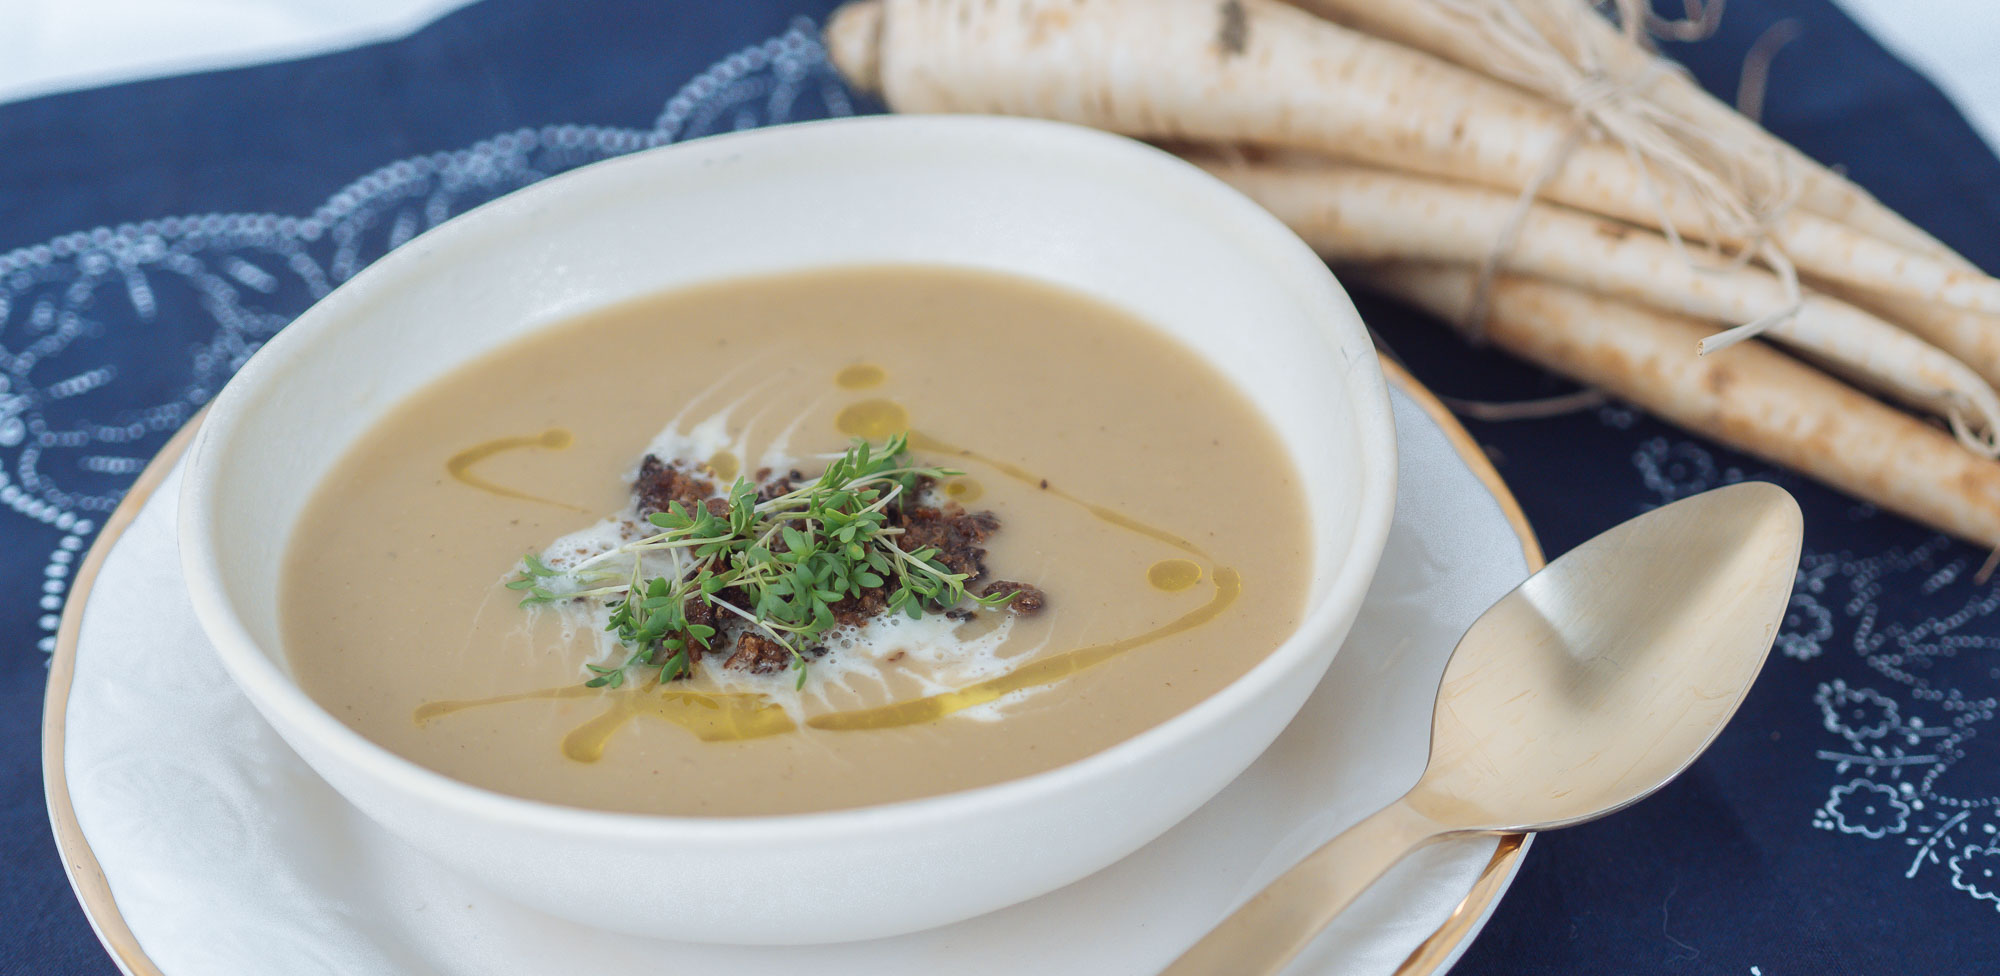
[
  {"x": 54, "y": 45},
  {"x": 57, "y": 45},
  {"x": 1956, "y": 42}
]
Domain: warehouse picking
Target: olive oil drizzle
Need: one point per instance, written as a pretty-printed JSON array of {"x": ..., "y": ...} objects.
[
  {"x": 1035, "y": 674},
  {"x": 736, "y": 717},
  {"x": 876, "y": 419},
  {"x": 430, "y": 711},
  {"x": 711, "y": 717},
  {"x": 460, "y": 465}
]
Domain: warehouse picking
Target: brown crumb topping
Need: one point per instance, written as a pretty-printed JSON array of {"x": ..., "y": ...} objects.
[
  {"x": 950, "y": 530},
  {"x": 758, "y": 654},
  {"x": 955, "y": 533},
  {"x": 660, "y": 484},
  {"x": 1028, "y": 600},
  {"x": 769, "y": 487},
  {"x": 704, "y": 613}
]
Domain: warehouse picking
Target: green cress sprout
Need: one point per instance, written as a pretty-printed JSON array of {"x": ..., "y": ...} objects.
[{"x": 779, "y": 564}]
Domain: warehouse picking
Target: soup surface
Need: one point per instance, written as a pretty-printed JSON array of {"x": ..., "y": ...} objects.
[{"x": 1137, "y": 489}]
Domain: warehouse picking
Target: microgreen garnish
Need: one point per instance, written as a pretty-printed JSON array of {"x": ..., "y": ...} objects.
[{"x": 779, "y": 565}]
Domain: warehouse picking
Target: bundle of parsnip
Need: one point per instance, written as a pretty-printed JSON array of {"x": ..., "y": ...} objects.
[{"x": 1533, "y": 172}]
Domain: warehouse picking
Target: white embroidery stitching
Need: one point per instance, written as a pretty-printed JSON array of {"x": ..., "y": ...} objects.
[{"x": 65, "y": 463}]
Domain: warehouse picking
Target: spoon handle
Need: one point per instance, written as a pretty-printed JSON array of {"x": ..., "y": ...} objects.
[{"x": 1274, "y": 926}]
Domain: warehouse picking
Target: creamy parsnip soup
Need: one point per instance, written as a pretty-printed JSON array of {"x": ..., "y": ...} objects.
[{"x": 797, "y": 543}]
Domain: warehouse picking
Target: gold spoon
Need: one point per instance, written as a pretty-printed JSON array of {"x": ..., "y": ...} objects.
[{"x": 1588, "y": 687}]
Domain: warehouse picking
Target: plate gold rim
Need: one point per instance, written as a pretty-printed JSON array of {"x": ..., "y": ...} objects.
[
  {"x": 86, "y": 876},
  {"x": 93, "y": 890}
]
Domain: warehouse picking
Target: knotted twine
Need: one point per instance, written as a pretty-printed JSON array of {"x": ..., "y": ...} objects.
[{"x": 1736, "y": 201}]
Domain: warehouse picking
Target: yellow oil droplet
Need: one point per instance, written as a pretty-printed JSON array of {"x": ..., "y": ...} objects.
[
  {"x": 873, "y": 419},
  {"x": 963, "y": 490},
  {"x": 556, "y": 438},
  {"x": 725, "y": 465},
  {"x": 1174, "y": 575},
  {"x": 860, "y": 376}
]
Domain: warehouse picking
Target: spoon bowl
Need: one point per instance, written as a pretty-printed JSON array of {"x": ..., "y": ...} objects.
[
  {"x": 1604, "y": 675},
  {"x": 1591, "y": 685}
]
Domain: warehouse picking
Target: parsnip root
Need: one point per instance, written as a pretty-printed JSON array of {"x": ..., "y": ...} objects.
[
  {"x": 1970, "y": 336},
  {"x": 1261, "y": 71},
  {"x": 1354, "y": 214},
  {"x": 1751, "y": 397},
  {"x": 1456, "y": 30}
]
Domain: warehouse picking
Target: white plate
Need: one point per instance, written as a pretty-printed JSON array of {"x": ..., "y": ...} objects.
[{"x": 221, "y": 853}]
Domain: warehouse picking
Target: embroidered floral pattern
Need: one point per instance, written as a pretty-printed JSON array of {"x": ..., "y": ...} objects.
[
  {"x": 1807, "y": 623},
  {"x": 1976, "y": 871},
  {"x": 1856, "y": 713},
  {"x": 1868, "y": 809}
]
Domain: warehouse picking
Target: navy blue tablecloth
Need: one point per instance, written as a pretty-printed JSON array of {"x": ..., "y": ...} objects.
[{"x": 153, "y": 234}]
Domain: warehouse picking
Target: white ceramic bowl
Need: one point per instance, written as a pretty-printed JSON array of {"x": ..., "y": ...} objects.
[{"x": 1100, "y": 214}]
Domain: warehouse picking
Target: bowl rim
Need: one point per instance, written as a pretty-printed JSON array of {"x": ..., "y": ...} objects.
[{"x": 271, "y": 690}]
